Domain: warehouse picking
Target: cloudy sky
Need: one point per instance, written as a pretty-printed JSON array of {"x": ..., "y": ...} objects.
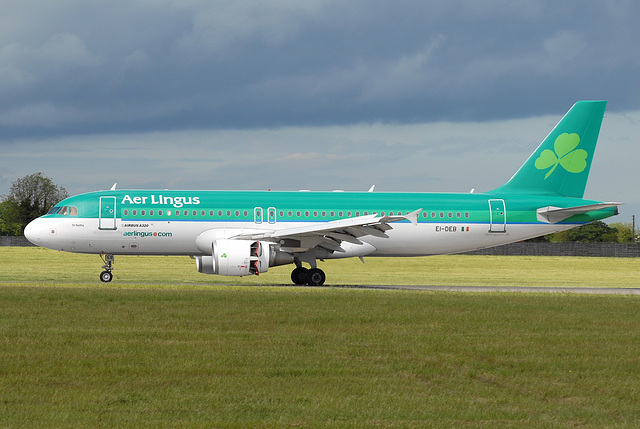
[{"x": 315, "y": 94}]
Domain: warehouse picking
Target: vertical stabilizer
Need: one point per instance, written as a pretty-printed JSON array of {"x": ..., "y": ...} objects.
[{"x": 561, "y": 164}]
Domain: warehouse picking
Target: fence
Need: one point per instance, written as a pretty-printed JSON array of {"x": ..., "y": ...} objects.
[
  {"x": 14, "y": 241},
  {"x": 525, "y": 249},
  {"x": 615, "y": 250}
]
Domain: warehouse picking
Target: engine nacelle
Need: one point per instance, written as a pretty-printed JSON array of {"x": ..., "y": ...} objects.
[{"x": 240, "y": 258}]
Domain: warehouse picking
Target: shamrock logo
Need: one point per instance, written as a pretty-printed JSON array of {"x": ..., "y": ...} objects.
[{"x": 571, "y": 159}]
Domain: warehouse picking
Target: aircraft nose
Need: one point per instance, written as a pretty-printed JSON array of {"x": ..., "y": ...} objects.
[{"x": 33, "y": 231}]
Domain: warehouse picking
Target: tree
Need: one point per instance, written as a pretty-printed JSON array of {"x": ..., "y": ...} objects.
[
  {"x": 625, "y": 232},
  {"x": 31, "y": 197},
  {"x": 595, "y": 232},
  {"x": 559, "y": 237},
  {"x": 8, "y": 212}
]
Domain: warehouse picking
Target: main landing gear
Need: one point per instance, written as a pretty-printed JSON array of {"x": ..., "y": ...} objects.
[
  {"x": 311, "y": 277},
  {"x": 106, "y": 276}
]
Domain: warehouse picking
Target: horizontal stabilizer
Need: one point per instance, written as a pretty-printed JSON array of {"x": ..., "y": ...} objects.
[{"x": 556, "y": 214}]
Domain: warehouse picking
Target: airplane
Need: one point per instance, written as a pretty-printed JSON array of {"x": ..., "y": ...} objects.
[{"x": 240, "y": 233}]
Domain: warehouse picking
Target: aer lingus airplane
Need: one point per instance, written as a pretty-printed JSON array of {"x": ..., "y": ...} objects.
[{"x": 239, "y": 233}]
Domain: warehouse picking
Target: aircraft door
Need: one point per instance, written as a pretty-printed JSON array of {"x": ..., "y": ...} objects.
[
  {"x": 498, "y": 216},
  {"x": 107, "y": 213}
]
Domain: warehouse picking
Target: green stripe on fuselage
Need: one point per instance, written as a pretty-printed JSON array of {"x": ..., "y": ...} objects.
[{"x": 321, "y": 206}]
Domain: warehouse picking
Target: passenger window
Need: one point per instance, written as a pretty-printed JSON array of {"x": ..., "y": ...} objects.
[
  {"x": 143, "y": 212},
  {"x": 177, "y": 212},
  {"x": 126, "y": 212},
  {"x": 160, "y": 213},
  {"x": 151, "y": 212},
  {"x": 135, "y": 212},
  {"x": 333, "y": 214},
  {"x": 211, "y": 213}
]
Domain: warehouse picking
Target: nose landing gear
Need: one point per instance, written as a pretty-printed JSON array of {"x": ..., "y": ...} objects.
[{"x": 106, "y": 276}]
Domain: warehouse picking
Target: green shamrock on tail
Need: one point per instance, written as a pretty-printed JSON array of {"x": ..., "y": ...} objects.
[{"x": 574, "y": 161}]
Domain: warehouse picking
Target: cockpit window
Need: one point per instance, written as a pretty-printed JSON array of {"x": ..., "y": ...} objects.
[{"x": 64, "y": 210}]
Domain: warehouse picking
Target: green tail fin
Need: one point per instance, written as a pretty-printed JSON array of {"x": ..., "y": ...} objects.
[{"x": 561, "y": 164}]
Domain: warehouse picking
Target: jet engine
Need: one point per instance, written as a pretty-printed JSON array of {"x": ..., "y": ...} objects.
[{"x": 241, "y": 258}]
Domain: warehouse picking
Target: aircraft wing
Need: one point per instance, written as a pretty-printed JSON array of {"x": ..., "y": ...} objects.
[
  {"x": 551, "y": 214},
  {"x": 330, "y": 235}
]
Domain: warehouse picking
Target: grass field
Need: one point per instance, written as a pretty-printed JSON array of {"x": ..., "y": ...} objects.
[
  {"x": 43, "y": 266},
  {"x": 163, "y": 346}
]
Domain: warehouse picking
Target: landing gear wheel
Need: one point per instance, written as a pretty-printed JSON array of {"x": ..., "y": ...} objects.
[
  {"x": 106, "y": 276},
  {"x": 316, "y": 277},
  {"x": 300, "y": 276}
]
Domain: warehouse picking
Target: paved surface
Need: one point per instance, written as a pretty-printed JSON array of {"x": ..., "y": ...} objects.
[{"x": 584, "y": 290}]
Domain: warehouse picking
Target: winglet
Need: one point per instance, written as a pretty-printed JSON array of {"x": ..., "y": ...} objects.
[
  {"x": 411, "y": 217},
  {"x": 113, "y": 188}
]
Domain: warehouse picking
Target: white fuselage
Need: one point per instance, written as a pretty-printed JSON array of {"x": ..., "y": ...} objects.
[{"x": 81, "y": 235}]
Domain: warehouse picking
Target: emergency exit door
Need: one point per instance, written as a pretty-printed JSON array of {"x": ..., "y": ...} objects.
[
  {"x": 498, "y": 216},
  {"x": 107, "y": 213}
]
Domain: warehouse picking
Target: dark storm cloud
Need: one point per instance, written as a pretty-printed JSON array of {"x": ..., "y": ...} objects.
[{"x": 76, "y": 67}]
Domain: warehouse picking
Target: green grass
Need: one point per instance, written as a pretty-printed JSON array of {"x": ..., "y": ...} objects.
[
  {"x": 163, "y": 346},
  {"x": 45, "y": 267}
]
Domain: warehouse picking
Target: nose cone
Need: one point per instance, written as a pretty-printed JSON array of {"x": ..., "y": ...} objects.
[{"x": 33, "y": 232}]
